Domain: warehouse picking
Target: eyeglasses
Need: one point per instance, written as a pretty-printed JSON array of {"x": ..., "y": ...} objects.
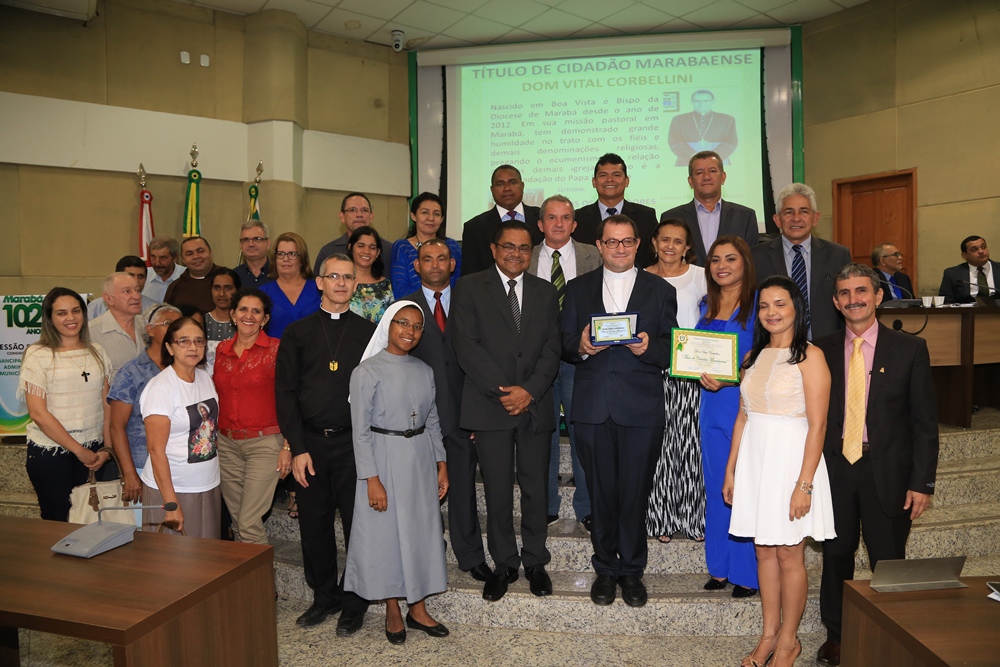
[
  {"x": 510, "y": 248},
  {"x": 185, "y": 343},
  {"x": 628, "y": 242},
  {"x": 347, "y": 277},
  {"x": 406, "y": 324},
  {"x": 253, "y": 239},
  {"x": 893, "y": 254},
  {"x": 354, "y": 209},
  {"x": 291, "y": 254}
]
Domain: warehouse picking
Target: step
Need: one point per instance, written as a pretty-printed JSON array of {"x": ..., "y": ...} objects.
[
  {"x": 967, "y": 481},
  {"x": 19, "y": 504}
]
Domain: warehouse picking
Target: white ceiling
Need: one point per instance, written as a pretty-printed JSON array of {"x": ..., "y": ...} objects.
[{"x": 438, "y": 24}]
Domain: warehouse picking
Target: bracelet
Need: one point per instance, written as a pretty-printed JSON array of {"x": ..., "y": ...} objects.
[
  {"x": 286, "y": 448},
  {"x": 806, "y": 487}
]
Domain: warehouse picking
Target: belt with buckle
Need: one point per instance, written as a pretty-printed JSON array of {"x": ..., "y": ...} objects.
[
  {"x": 247, "y": 433},
  {"x": 329, "y": 432},
  {"x": 408, "y": 433}
]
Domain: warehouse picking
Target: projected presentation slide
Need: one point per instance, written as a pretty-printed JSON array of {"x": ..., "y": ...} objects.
[{"x": 554, "y": 118}]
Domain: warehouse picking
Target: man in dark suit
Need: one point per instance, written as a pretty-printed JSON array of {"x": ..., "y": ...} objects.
[
  {"x": 808, "y": 260},
  {"x": 559, "y": 259},
  {"x": 434, "y": 265},
  {"x": 881, "y": 450},
  {"x": 507, "y": 189},
  {"x": 708, "y": 216},
  {"x": 610, "y": 180},
  {"x": 888, "y": 263},
  {"x": 974, "y": 278},
  {"x": 507, "y": 342},
  {"x": 311, "y": 384},
  {"x": 618, "y": 405},
  {"x": 702, "y": 129}
]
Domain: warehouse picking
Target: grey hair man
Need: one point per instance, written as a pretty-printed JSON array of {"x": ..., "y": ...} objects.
[
  {"x": 119, "y": 331},
  {"x": 254, "y": 244},
  {"x": 164, "y": 252}
]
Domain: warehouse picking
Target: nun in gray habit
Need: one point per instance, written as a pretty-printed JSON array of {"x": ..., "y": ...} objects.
[{"x": 397, "y": 538}]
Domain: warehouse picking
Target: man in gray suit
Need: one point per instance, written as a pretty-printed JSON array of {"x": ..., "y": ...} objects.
[
  {"x": 707, "y": 215},
  {"x": 507, "y": 343},
  {"x": 559, "y": 259},
  {"x": 810, "y": 261}
]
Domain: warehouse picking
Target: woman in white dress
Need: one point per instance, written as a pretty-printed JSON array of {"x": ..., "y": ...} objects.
[{"x": 776, "y": 479}]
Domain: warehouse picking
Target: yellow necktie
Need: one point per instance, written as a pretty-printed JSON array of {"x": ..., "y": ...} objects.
[{"x": 854, "y": 426}]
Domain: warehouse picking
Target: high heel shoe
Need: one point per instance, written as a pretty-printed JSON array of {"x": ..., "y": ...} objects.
[
  {"x": 795, "y": 649},
  {"x": 750, "y": 661}
]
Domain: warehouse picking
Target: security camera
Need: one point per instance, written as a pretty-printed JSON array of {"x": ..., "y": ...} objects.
[{"x": 397, "y": 40}]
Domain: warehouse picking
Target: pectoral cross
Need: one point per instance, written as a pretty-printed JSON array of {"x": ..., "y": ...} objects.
[
  {"x": 85, "y": 375},
  {"x": 413, "y": 418},
  {"x": 334, "y": 365}
]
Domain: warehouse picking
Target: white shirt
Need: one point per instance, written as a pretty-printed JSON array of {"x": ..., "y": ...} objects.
[
  {"x": 518, "y": 287},
  {"x": 567, "y": 261},
  {"x": 618, "y": 289},
  {"x": 519, "y": 210},
  {"x": 156, "y": 287},
  {"x": 445, "y": 298},
  {"x": 974, "y": 277},
  {"x": 691, "y": 288}
]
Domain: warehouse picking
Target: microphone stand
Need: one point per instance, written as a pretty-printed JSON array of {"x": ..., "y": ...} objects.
[{"x": 897, "y": 325}]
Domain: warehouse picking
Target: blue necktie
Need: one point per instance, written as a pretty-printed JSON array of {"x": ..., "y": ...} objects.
[
  {"x": 799, "y": 276},
  {"x": 896, "y": 292}
]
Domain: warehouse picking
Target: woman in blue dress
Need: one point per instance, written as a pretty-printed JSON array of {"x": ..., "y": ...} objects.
[
  {"x": 730, "y": 306},
  {"x": 293, "y": 292},
  {"x": 427, "y": 222}
]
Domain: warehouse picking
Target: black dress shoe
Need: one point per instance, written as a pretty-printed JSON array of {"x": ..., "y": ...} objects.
[
  {"x": 481, "y": 572},
  {"x": 829, "y": 653},
  {"x": 396, "y": 638},
  {"x": 432, "y": 630},
  {"x": 714, "y": 584},
  {"x": 538, "y": 580},
  {"x": 316, "y": 614},
  {"x": 603, "y": 590},
  {"x": 587, "y": 522},
  {"x": 553, "y": 518},
  {"x": 496, "y": 584},
  {"x": 743, "y": 591},
  {"x": 633, "y": 590},
  {"x": 350, "y": 622}
]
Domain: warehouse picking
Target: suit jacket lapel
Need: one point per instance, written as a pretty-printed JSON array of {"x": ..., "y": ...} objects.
[
  {"x": 498, "y": 291},
  {"x": 699, "y": 242},
  {"x": 639, "y": 290},
  {"x": 837, "y": 389},
  {"x": 726, "y": 219},
  {"x": 883, "y": 352},
  {"x": 777, "y": 253}
]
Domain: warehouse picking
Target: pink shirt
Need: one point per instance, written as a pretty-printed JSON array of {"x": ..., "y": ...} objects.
[{"x": 870, "y": 336}]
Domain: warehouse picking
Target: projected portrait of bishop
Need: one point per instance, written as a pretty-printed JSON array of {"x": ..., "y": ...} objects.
[{"x": 702, "y": 130}]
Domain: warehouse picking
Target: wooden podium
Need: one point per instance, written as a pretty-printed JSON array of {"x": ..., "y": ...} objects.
[
  {"x": 160, "y": 600},
  {"x": 944, "y": 628},
  {"x": 964, "y": 345}
]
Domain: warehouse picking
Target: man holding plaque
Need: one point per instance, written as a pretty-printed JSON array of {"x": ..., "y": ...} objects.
[{"x": 618, "y": 403}]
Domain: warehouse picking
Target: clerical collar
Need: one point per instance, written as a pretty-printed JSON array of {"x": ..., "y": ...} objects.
[
  {"x": 624, "y": 275},
  {"x": 333, "y": 316}
]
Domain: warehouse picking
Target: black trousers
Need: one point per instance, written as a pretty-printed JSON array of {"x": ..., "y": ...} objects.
[
  {"x": 331, "y": 489},
  {"x": 619, "y": 462},
  {"x": 856, "y": 511},
  {"x": 463, "y": 516},
  {"x": 54, "y": 473},
  {"x": 499, "y": 452}
]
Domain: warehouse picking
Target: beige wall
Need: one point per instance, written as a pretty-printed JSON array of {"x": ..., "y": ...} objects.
[
  {"x": 895, "y": 84},
  {"x": 69, "y": 226}
]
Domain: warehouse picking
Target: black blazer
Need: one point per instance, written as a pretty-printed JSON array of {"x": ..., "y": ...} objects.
[
  {"x": 736, "y": 220},
  {"x": 904, "y": 282},
  {"x": 437, "y": 350},
  {"x": 953, "y": 284},
  {"x": 589, "y": 217},
  {"x": 477, "y": 235},
  {"x": 492, "y": 352},
  {"x": 827, "y": 259},
  {"x": 615, "y": 383},
  {"x": 901, "y": 416}
]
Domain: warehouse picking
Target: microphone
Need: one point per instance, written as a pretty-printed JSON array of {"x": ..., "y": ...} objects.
[
  {"x": 897, "y": 325},
  {"x": 992, "y": 294},
  {"x": 169, "y": 507}
]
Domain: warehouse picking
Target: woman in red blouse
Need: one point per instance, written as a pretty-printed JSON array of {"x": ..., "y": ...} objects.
[{"x": 252, "y": 453}]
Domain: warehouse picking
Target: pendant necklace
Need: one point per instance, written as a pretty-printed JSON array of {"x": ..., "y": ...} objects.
[
  {"x": 333, "y": 354},
  {"x": 83, "y": 369},
  {"x": 612, "y": 296}
]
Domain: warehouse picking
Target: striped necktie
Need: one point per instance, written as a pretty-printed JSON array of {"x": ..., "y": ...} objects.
[
  {"x": 515, "y": 307},
  {"x": 799, "y": 276},
  {"x": 558, "y": 279}
]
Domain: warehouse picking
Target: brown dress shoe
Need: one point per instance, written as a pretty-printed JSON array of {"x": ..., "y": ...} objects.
[{"x": 829, "y": 653}]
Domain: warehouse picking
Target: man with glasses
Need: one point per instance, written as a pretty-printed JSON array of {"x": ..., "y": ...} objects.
[
  {"x": 618, "y": 404},
  {"x": 507, "y": 190},
  {"x": 888, "y": 263},
  {"x": 254, "y": 244},
  {"x": 355, "y": 211},
  {"x": 312, "y": 382},
  {"x": 507, "y": 342}
]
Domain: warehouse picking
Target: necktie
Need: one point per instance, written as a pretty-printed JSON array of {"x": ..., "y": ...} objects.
[
  {"x": 515, "y": 308},
  {"x": 439, "y": 315},
  {"x": 612, "y": 211},
  {"x": 854, "y": 422},
  {"x": 512, "y": 215},
  {"x": 896, "y": 292},
  {"x": 558, "y": 279},
  {"x": 799, "y": 276},
  {"x": 982, "y": 283}
]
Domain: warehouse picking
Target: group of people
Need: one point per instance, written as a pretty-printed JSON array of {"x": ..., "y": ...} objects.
[{"x": 382, "y": 394}]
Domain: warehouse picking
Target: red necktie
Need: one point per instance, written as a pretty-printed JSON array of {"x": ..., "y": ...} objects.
[
  {"x": 512, "y": 215},
  {"x": 439, "y": 315}
]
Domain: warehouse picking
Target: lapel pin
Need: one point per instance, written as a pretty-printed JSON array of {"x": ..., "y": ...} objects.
[{"x": 882, "y": 370}]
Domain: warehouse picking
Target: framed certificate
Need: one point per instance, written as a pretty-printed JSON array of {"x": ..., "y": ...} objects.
[
  {"x": 614, "y": 329},
  {"x": 693, "y": 352}
]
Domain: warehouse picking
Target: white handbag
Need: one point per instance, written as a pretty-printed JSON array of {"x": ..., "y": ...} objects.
[{"x": 87, "y": 498}]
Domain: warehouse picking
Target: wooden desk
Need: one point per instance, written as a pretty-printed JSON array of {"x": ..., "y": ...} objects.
[
  {"x": 964, "y": 346},
  {"x": 921, "y": 629},
  {"x": 161, "y": 600}
]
